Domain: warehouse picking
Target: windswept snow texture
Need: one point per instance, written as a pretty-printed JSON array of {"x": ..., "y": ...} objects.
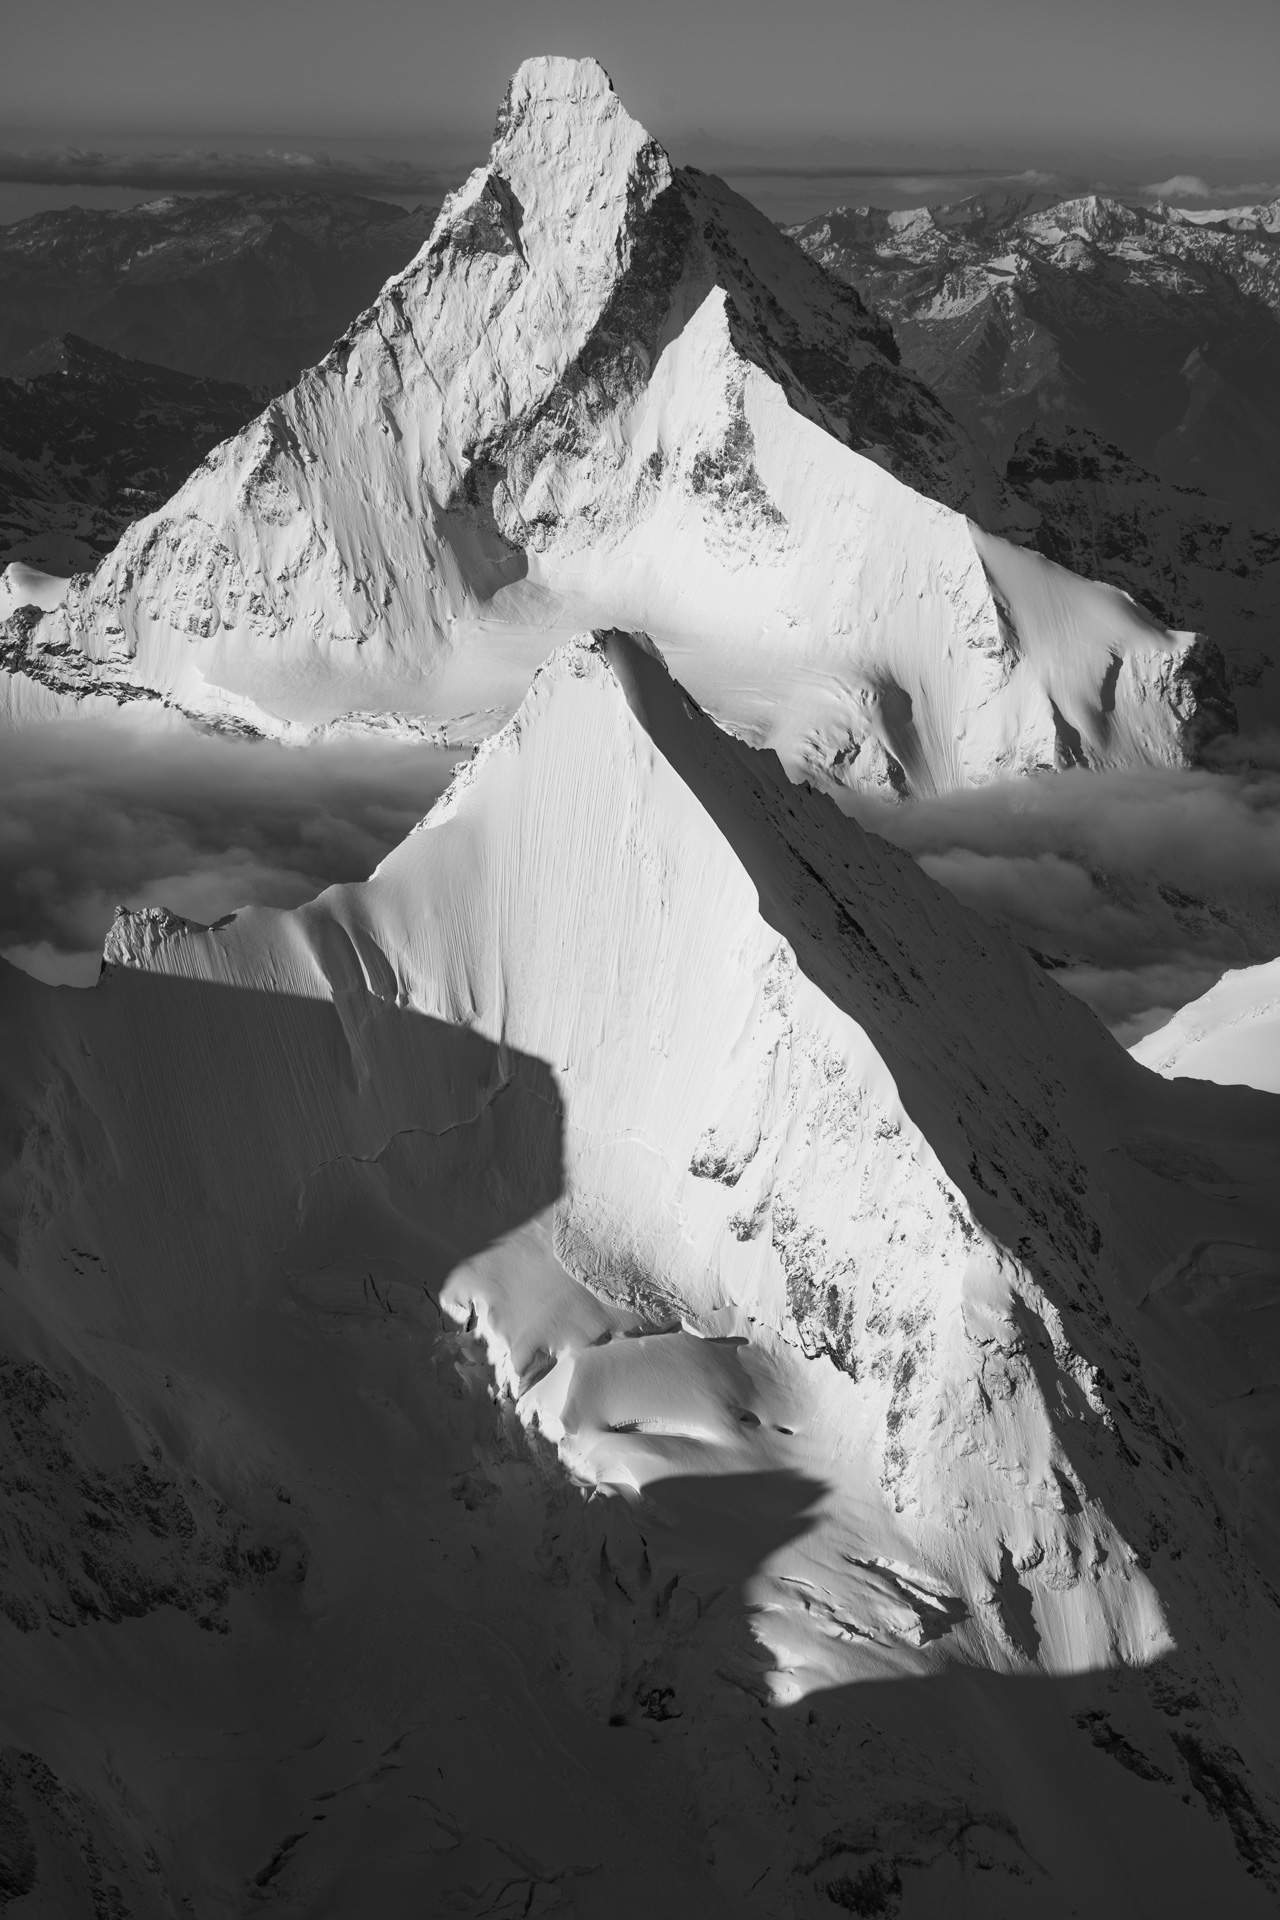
[
  {"x": 609, "y": 391},
  {"x": 640, "y": 1358},
  {"x": 1231, "y": 1034}
]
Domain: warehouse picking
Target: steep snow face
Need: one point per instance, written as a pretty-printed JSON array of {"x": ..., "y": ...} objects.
[
  {"x": 1230, "y": 1034},
  {"x": 643, "y": 1131},
  {"x": 608, "y": 391}
]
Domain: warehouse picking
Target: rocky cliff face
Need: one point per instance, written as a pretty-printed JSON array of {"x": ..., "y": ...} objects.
[
  {"x": 659, "y": 1347},
  {"x": 608, "y": 391}
]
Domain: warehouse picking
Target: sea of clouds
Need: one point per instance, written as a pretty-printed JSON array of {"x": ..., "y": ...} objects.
[
  {"x": 1141, "y": 888},
  {"x": 96, "y": 814},
  {"x": 1138, "y": 889}
]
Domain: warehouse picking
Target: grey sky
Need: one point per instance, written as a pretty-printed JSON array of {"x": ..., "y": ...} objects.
[{"x": 1167, "y": 76}]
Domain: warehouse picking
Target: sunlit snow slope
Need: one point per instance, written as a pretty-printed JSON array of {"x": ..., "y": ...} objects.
[
  {"x": 609, "y": 391},
  {"x": 1230, "y": 1034},
  {"x": 661, "y": 1354}
]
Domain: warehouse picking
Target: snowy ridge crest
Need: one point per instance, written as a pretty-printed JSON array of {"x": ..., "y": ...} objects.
[
  {"x": 137, "y": 935},
  {"x": 908, "y": 1294},
  {"x": 646, "y": 1129}
]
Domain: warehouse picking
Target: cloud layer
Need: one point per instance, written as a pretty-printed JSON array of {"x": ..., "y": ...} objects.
[
  {"x": 1141, "y": 888},
  {"x": 1179, "y": 186},
  {"x": 95, "y": 814},
  {"x": 1138, "y": 888}
]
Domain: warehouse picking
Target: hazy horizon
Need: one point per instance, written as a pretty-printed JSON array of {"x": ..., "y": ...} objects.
[
  {"x": 884, "y": 91},
  {"x": 41, "y": 169}
]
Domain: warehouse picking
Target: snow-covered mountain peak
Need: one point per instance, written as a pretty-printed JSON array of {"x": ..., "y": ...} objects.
[
  {"x": 1094, "y": 215},
  {"x": 565, "y": 94},
  {"x": 569, "y": 175},
  {"x": 754, "y": 1168},
  {"x": 608, "y": 392},
  {"x": 1262, "y": 217}
]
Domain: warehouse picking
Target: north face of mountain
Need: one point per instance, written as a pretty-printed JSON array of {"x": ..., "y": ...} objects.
[
  {"x": 244, "y": 287},
  {"x": 609, "y": 392}
]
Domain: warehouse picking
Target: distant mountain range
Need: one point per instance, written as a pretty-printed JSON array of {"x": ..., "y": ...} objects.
[
  {"x": 1159, "y": 329},
  {"x": 135, "y": 341},
  {"x": 90, "y": 441},
  {"x": 1125, "y": 363},
  {"x": 248, "y": 287}
]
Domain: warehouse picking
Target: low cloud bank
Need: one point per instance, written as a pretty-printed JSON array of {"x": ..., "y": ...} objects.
[
  {"x": 1140, "y": 888},
  {"x": 1180, "y": 186},
  {"x": 98, "y": 814}
]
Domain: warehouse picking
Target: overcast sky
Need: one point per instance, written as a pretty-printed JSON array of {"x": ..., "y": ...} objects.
[{"x": 1170, "y": 76}]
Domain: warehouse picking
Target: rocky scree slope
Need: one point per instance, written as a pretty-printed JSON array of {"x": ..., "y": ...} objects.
[
  {"x": 664, "y": 1316},
  {"x": 608, "y": 391}
]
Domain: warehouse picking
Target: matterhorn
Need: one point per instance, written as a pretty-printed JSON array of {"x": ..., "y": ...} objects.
[{"x": 608, "y": 392}]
